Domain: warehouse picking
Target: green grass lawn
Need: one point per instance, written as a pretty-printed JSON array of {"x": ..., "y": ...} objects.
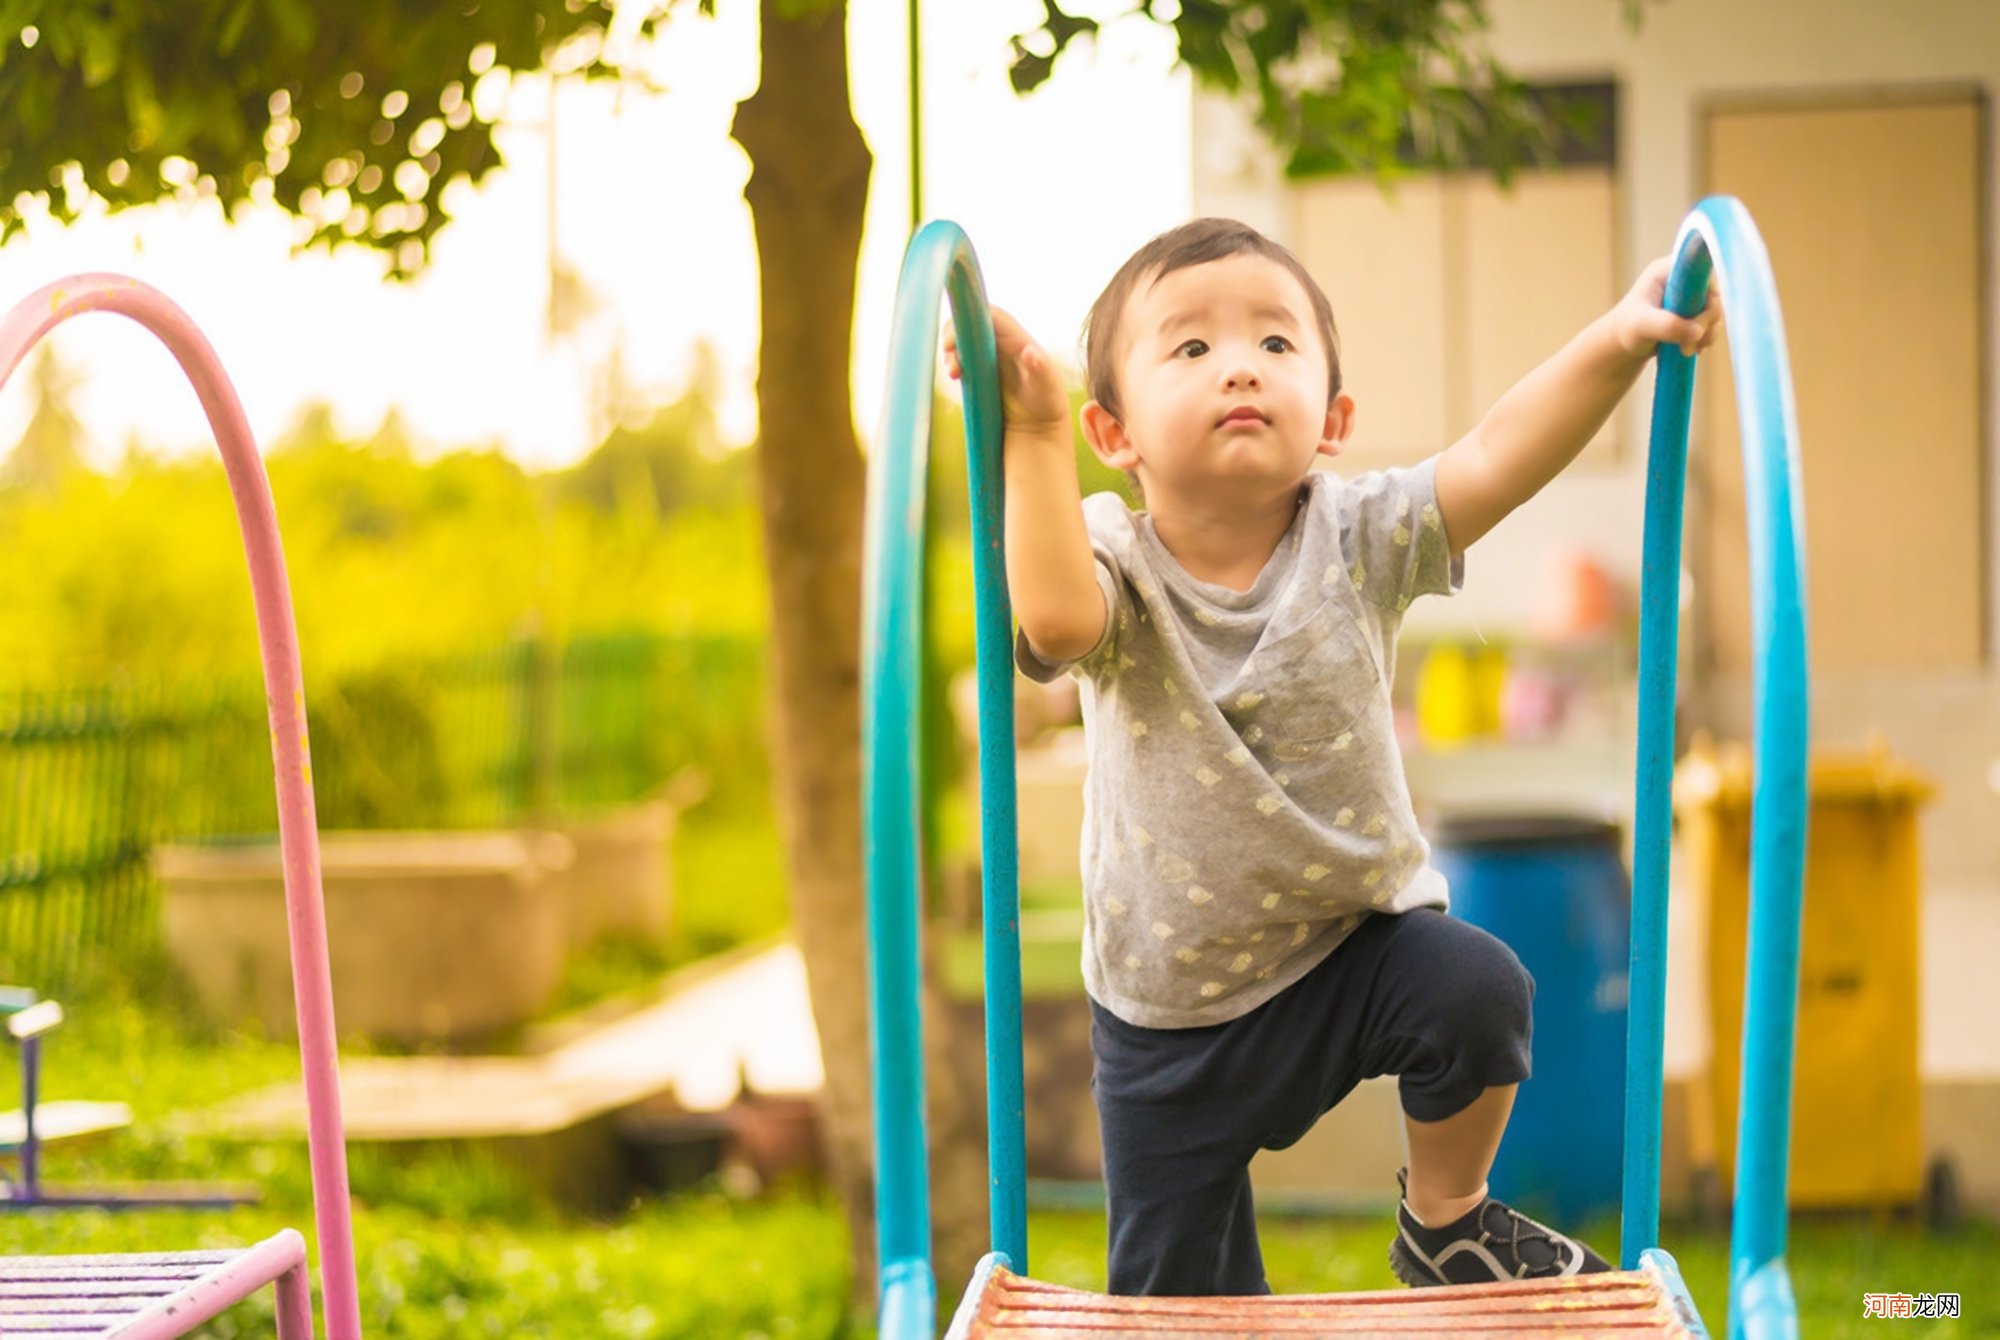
[
  {"x": 704, "y": 1265},
  {"x": 692, "y": 1266},
  {"x": 729, "y": 880},
  {"x": 452, "y": 1245},
  {"x": 448, "y": 1244}
]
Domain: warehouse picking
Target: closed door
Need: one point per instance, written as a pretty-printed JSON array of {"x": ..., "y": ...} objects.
[{"x": 1871, "y": 213}]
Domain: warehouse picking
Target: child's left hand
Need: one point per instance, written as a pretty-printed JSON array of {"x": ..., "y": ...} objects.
[{"x": 1640, "y": 320}]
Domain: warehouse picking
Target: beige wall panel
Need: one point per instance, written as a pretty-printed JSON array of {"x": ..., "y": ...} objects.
[
  {"x": 1539, "y": 268},
  {"x": 1381, "y": 260},
  {"x": 1871, "y": 216}
]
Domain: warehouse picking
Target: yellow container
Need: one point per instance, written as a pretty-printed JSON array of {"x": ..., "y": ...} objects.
[
  {"x": 1857, "y": 1131},
  {"x": 1458, "y": 694},
  {"x": 1447, "y": 706}
]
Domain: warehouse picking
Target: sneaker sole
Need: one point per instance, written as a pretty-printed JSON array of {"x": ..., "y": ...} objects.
[
  {"x": 1407, "y": 1268},
  {"x": 1404, "y": 1264}
]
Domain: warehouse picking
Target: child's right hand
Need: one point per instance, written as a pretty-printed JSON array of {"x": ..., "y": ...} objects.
[{"x": 1033, "y": 398}]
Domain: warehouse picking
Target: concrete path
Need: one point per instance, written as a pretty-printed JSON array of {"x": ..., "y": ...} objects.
[{"x": 739, "y": 1021}]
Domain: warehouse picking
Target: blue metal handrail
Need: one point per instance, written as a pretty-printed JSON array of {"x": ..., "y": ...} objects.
[
  {"x": 939, "y": 261},
  {"x": 1719, "y": 238}
]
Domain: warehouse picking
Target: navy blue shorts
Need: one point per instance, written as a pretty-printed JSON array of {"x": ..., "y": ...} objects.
[{"x": 1423, "y": 996}]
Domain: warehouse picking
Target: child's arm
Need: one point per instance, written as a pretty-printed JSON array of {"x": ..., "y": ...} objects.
[
  {"x": 1051, "y": 573},
  {"x": 1539, "y": 426}
]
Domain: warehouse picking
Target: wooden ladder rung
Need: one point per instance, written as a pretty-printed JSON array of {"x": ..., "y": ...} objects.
[{"x": 1623, "y": 1304}]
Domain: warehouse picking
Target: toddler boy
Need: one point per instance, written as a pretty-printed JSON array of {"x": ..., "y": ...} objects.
[{"x": 1263, "y": 929}]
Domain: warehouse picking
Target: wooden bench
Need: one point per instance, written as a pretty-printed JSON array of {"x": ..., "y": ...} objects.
[{"x": 149, "y": 1295}]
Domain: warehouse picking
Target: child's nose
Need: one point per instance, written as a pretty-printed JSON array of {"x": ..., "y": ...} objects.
[{"x": 1240, "y": 377}]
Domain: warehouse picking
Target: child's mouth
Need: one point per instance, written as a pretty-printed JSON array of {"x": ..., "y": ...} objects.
[{"x": 1244, "y": 415}]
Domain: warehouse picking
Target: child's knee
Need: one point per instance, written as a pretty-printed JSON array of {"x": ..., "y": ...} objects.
[{"x": 1492, "y": 994}]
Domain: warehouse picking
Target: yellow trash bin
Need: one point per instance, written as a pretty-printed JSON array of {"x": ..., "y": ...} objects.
[{"x": 1857, "y": 1131}]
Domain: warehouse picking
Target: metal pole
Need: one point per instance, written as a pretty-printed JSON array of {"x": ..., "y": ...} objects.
[
  {"x": 31, "y": 1049},
  {"x": 916, "y": 117}
]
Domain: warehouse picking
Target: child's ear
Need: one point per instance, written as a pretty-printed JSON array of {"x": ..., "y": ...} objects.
[
  {"x": 1107, "y": 437},
  {"x": 1339, "y": 425}
]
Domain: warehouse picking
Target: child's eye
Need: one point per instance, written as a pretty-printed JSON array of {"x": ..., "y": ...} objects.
[
  {"x": 1192, "y": 349},
  {"x": 1277, "y": 344}
]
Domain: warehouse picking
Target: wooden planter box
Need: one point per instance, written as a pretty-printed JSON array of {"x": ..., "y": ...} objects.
[
  {"x": 620, "y": 878},
  {"x": 434, "y": 937}
]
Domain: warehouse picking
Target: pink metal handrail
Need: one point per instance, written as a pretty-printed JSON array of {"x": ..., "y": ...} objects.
[
  {"x": 284, "y": 694},
  {"x": 281, "y": 1261}
]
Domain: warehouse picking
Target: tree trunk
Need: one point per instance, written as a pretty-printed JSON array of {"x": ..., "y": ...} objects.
[{"x": 807, "y": 192}]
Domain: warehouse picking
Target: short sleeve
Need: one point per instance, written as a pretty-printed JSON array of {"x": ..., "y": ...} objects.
[
  {"x": 1392, "y": 537},
  {"x": 1034, "y": 667},
  {"x": 1109, "y": 523}
]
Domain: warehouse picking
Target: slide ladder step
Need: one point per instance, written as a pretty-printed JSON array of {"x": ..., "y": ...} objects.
[{"x": 1622, "y": 1304}]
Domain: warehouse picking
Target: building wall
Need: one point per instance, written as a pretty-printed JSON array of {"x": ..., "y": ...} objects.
[{"x": 1685, "y": 57}]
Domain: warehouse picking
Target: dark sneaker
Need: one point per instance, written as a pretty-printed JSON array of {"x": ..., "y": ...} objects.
[{"x": 1492, "y": 1241}]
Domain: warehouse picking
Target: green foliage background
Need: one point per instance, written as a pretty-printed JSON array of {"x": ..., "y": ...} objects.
[
  {"x": 424, "y": 583},
  {"x": 138, "y": 573}
]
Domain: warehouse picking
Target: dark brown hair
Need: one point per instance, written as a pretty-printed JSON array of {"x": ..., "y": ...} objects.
[{"x": 1194, "y": 243}]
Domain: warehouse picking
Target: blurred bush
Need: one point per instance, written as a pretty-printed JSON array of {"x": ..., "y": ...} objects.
[
  {"x": 483, "y": 645},
  {"x": 138, "y": 573}
]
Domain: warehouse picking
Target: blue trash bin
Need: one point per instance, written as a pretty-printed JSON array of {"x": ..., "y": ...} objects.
[{"x": 1554, "y": 889}]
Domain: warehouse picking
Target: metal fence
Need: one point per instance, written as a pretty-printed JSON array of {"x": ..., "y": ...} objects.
[{"x": 92, "y": 779}]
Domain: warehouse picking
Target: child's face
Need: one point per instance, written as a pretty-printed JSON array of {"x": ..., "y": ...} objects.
[{"x": 1223, "y": 379}]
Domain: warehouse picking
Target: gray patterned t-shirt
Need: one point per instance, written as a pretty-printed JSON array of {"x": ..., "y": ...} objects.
[{"x": 1245, "y": 806}]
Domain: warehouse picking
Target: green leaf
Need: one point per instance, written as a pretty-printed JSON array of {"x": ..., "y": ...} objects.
[
  {"x": 1029, "y": 71},
  {"x": 294, "y": 22},
  {"x": 233, "y": 24},
  {"x": 1036, "y": 51},
  {"x": 100, "y": 55}
]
